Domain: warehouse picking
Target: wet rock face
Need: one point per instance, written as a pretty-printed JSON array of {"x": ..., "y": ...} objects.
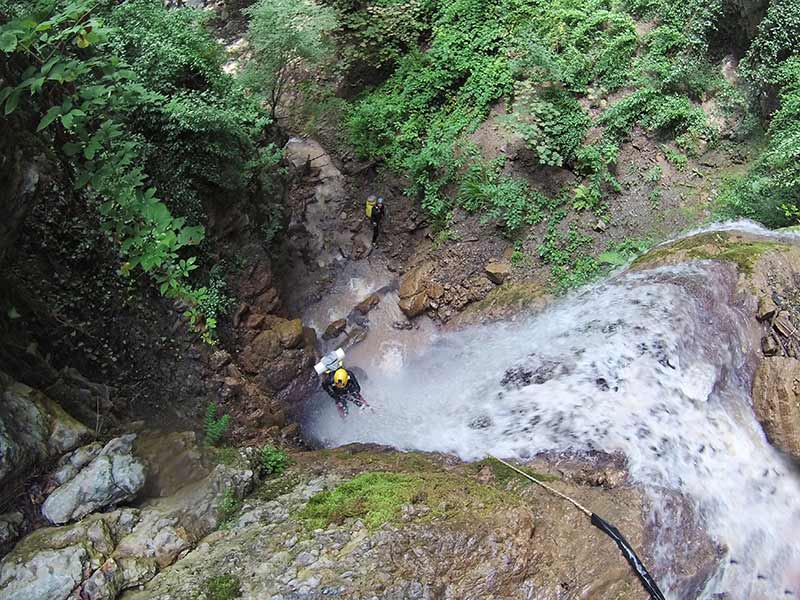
[
  {"x": 112, "y": 476},
  {"x": 776, "y": 396},
  {"x": 33, "y": 429}
]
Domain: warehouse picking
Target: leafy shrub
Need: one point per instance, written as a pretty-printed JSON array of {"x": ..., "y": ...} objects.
[
  {"x": 215, "y": 428},
  {"x": 777, "y": 40},
  {"x": 576, "y": 43},
  {"x": 372, "y": 37},
  {"x": 229, "y": 506},
  {"x": 551, "y": 122},
  {"x": 130, "y": 97},
  {"x": 222, "y": 587},
  {"x": 509, "y": 201},
  {"x": 280, "y": 33},
  {"x": 668, "y": 115},
  {"x": 274, "y": 461}
]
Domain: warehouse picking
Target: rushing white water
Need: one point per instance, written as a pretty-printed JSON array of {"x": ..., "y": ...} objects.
[{"x": 656, "y": 365}]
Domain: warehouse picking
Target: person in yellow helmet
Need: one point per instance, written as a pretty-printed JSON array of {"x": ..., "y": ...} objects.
[{"x": 342, "y": 385}]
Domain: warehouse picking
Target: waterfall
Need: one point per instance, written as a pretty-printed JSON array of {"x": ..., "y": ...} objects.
[{"x": 656, "y": 365}]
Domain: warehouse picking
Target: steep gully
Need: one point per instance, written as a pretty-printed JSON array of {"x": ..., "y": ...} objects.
[{"x": 656, "y": 365}]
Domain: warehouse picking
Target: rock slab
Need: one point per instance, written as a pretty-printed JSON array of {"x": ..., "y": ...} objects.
[
  {"x": 113, "y": 476},
  {"x": 776, "y": 397}
]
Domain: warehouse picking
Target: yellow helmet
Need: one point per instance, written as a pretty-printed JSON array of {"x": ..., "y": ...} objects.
[{"x": 340, "y": 378}]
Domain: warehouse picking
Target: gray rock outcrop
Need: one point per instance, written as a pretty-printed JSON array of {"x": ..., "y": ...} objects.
[
  {"x": 33, "y": 429},
  {"x": 95, "y": 479},
  {"x": 104, "y": 554}
]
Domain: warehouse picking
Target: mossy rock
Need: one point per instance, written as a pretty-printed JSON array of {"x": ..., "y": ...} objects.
[
  {"x": 504, "y": 301},
  {"x": 742, "y": 251}
]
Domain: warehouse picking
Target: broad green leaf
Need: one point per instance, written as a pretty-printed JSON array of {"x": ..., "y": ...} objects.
[
  {"x": 36, "y": 84},
  {"x": 8, "y": 42},
  {"x": 12, "y": 101},
  {"x": 71, "y": 149},
  {"x": 51, "y": 116}
]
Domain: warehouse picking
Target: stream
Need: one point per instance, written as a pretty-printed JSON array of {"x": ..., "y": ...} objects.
[{"x": 656, "y": 365}]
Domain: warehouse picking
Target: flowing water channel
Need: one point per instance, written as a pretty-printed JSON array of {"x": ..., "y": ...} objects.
[{"x": 656, "y": 365}]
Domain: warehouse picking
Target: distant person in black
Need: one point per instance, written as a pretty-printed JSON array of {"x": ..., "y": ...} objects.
[
  {"x": 376, "y": 218},
  {"x": 342, "y": 385}
]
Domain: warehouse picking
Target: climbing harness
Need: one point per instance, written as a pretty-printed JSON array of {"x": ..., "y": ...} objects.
[{"x": 627, "y": 551}]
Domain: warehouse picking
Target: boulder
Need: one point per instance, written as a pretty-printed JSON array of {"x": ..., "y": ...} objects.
[
  {"x": 766, "y": 308},
  {"x": 70, "y": 464},
  {"x": 255, "y": 321},
  {"x": 290, "y": 333},
  {"x": 335, "y": 329},
  {"x": 219, "y": 359},
  {"x": 783, "y": 324},
  {"x": 413, "y": 306},
  {"x": 113, "y": 476},
  {"x": 776, "y": 398},
  {"x": 498, "y": 272},
  {"x": 414, "y": 290},
  {"x": 10, "y": 526},
  {"x": 33, "y": 429},
  {"x": 47, "y": 574},
  {"x": 264, "y": 348},
  {"x": 104, "y": 554},
  {"x": 416, "y": 280},
  {"x": 368, "y": 304},
  {"x": 770, "y": 346}
]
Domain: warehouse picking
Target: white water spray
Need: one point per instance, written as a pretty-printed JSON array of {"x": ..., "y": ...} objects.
[{"x": 653, "y": 365}]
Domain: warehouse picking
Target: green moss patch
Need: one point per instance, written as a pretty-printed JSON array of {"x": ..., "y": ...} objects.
[
  {"x": 718, "y": 245},
  {"x": 223, "y": 587},
  {"x": 378, "y": 497},
  {"x": 504, "y": 475}
]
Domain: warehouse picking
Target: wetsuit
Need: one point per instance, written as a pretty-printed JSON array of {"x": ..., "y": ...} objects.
[
  {"x": 352, "y": 392},
  {"x": 376, "y": 218}
]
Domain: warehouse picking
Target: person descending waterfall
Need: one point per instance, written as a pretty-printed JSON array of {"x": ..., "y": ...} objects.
[
  {"x": 342, "y": 385},
  {"x": 375, "y": 212}
]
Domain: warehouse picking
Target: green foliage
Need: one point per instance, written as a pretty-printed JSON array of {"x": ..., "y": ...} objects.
[
  {"x": 229, "y": 506},
  {"x": 415, "y": 119},
  {"x": 571, "y": 264},
  {"x": 215, "y": 428},
  {"x": 777, "y": 40},
  {"x": 575, "y": 43},
  {"x": 210, "y": 303},
  {"x": 280, "y": 33},
  {"x": 374, "y": 497},
  {"x": 619, "y": 254},
  {"x": 130, "y": 97},
  {"x": 378, "y": 497},
  {"x": 550, "y": 121},
  {"x": 511, "y": 202},
  {"x": 227, "y": 455},
  {"x": 372, "y": 37},
  {"x": 596, "y": 162},
  {"x": 667, "y": 115},
  {"x": 274, "y": 461},
  {"x": 199, "y": 126},
  {"x": 222, "y": 587},
  {"x": 676, "y": 158}
]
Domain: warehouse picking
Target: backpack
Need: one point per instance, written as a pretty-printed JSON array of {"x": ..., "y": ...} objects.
[{"x": 369, "y": 207}]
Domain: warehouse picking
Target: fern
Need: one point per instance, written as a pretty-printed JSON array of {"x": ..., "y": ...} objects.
[
  {"x": 215, "y": 427},
  {"x": 273, "y": 460}
]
